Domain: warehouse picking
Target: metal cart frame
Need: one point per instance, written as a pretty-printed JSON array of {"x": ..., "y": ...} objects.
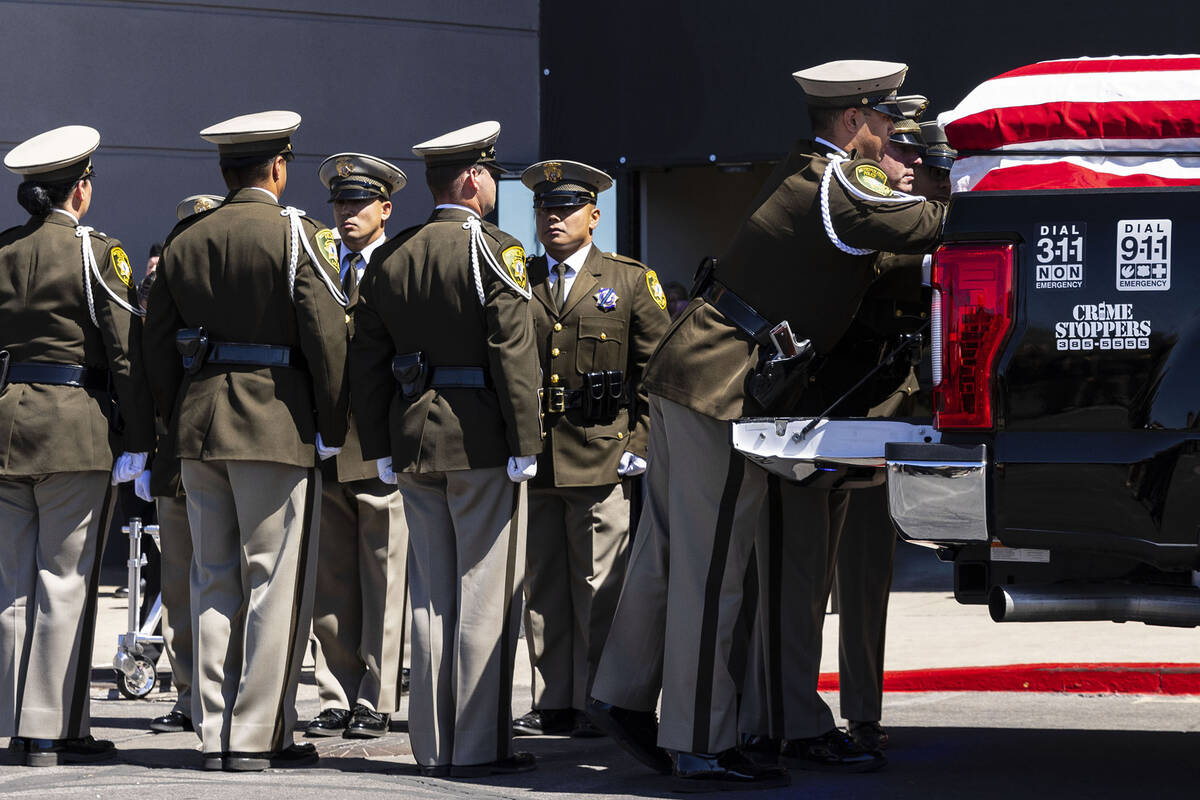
[{"x": 136, "y": 674}]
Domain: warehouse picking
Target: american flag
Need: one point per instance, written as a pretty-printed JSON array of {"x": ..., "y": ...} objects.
[{"x": 1080, "y": 123}]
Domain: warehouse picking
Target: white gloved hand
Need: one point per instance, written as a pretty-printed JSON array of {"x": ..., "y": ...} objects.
[
  {"x": 324, "y": 452},
  {"x": 141, "y": 486},
  {"x": 128, "y": 467},
  {"x": 384, "y": 467},
  {"x": 631, "y": 465},
  {"x": 521, "y": 468}
]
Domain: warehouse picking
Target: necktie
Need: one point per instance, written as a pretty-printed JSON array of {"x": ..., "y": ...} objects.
[
  {"x": 560, "y": 285},
  {"x": 350, "y": 279}
]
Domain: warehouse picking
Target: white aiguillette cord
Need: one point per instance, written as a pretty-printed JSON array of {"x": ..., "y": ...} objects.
[
  {"x": 477, "y": 244},
  {"x": 298, "y": 238},
  {"x": 90, "y": 268}
]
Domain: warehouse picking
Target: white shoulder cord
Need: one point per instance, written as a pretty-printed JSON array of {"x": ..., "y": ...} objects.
[
  {"x": 835, "y": 165},
  {"x": 298, "y": 238},
  {"x": 477, "y": 244},
  {"x": 90, "y": 268}
]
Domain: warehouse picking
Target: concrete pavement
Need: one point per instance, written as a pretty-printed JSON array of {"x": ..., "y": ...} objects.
[{"x": 927, "y": 629}]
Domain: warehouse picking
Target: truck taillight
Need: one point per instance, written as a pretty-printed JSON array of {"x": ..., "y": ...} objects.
[{"x": 972, "y": 315}]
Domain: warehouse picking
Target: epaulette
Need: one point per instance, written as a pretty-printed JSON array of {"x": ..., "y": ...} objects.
[{"x": 615, "y": 256}]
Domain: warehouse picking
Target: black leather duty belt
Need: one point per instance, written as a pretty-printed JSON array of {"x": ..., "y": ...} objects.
[
  {"x": 58, "y": 375},
  {"x": 558, "y": 399},
  {"x": 254, "y": 355},
  {"x": 737, "y": 311},
  {"x": 458, "y": 378}
]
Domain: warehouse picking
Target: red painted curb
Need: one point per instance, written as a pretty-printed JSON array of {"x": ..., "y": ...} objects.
[{"x": 1074, "y": 678}]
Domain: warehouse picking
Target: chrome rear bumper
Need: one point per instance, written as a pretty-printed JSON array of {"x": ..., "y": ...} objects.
[{"x": 937, "y": 493}]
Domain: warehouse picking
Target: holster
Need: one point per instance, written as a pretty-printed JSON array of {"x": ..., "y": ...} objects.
[
  {"x": 192, "y": 344},
  {"x": 411, "y": 375},
  {"x": 603, "y": 394},
  {"x": 776, "y": 383}
]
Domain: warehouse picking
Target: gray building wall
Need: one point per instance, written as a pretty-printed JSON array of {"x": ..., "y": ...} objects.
[{"x": 373, "y": 76}]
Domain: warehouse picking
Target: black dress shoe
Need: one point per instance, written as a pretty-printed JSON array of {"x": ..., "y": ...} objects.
[
  {"x": 834, "y": 751},
  {"x": 295, "y": 755},
  {"x": 544, "y": 722},
  {"x": 330, "y": 722},
  {"x": 701, "y": 772},
  {"x": 52, "y": 752},
  {"x": 175, "y": 722},
  {"x": 517, "y": 762},
  {"x": 869, "y": 735},
  {"x": 760, "y": 749},
  {"x": 366, "y": 724},
  {"x": 435, "y": 770},
  {"x": 635, "y": 731},
  {"x": 584, "y": 729}
]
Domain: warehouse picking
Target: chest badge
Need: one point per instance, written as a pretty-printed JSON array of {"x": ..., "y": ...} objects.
[{"x": 606, "y": 299}]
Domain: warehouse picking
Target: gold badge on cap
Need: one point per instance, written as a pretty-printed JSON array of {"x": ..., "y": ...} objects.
[
  {"x": 344, "y": 167},
  {"x": 553, "y": 171},
  {"x": 120, "y": 263},
  {"x": 656, "y": 291},
  {"x": 202, "y": 204}
]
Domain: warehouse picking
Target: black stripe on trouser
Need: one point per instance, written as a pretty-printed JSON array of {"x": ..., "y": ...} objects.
[
  {"x": 83, "y": 663},
  {"x": 403, "y": 618},
  {"x": 297, "y": 600},
  {"x": 706, "y": 664},
  {"x": 504, "y": 712},
  {"x": 774, "y": 618}
]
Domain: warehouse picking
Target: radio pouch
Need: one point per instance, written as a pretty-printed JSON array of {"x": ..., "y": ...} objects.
[
  {"x": 192, "y": 344},
  {"x": 411, "y": 374}
]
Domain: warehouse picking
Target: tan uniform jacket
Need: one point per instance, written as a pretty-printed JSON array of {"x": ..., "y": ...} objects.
[
  {"x": 584, "y": 337},
  {"x": 783, "y": 263},
  {"x": 226, "y": 270},
  {"x": 419, "y": 295},
  {"x": 44, "y": 317}
]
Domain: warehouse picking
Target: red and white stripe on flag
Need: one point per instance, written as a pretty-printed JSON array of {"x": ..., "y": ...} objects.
[{"x": 1081, "y": 123}]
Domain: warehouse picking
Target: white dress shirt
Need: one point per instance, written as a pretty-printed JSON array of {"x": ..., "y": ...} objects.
[
  {"x": 574, "y": 263},
  {"x": 344, "y": 254}
]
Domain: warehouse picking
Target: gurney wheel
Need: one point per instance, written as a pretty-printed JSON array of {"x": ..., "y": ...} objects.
[{"x": 141, "y": 682}]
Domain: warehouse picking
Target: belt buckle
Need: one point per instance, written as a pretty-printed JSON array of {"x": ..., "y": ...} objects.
[{"x": 556, "y": 400}]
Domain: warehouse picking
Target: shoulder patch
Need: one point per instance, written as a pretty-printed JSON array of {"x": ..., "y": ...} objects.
[
  {"x": 873, "y": 179},
  {"x": 656, "y": 291},
  {"x": 514, "y": 261},
  {"x": 120, "y": 265},
  {"x": 328, "y": 247}
]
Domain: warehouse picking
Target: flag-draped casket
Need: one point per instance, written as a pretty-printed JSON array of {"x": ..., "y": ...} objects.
[{"x": 1080, "y": 123}]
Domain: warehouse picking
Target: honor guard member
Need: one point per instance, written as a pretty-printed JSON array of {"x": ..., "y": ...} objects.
[
  {"x": 598, "y": 318},
  {"x": 362, "y": 571},
  {"x": 804, "y": 257},
  {"x": 782, "y": 711},
  {"x": 161, "y": 484},
  {"x": 933, "y": 176},
  {"x": 70, "y": 335},
  {"x": 246, "y": 346},
  {"x": 893, "y": 306},
  {"x": 444, "y": 376}
]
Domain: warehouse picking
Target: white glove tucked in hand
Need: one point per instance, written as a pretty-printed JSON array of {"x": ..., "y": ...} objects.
[
  {"x": 521, "y": 468},
  {"x": 128, "y": 467},
  {"x": 141, "y": 486},
  {"x": 631, "y": 465},
  {"x": 324, "y": 452},
  {"x": 384, "y": 467}
]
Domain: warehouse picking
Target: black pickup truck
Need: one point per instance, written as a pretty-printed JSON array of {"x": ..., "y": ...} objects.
[{"x": 1061, "y": 472}]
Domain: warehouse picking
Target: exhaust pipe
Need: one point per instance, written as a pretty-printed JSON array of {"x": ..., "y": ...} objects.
[{"x": 1175, "y": 606}]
